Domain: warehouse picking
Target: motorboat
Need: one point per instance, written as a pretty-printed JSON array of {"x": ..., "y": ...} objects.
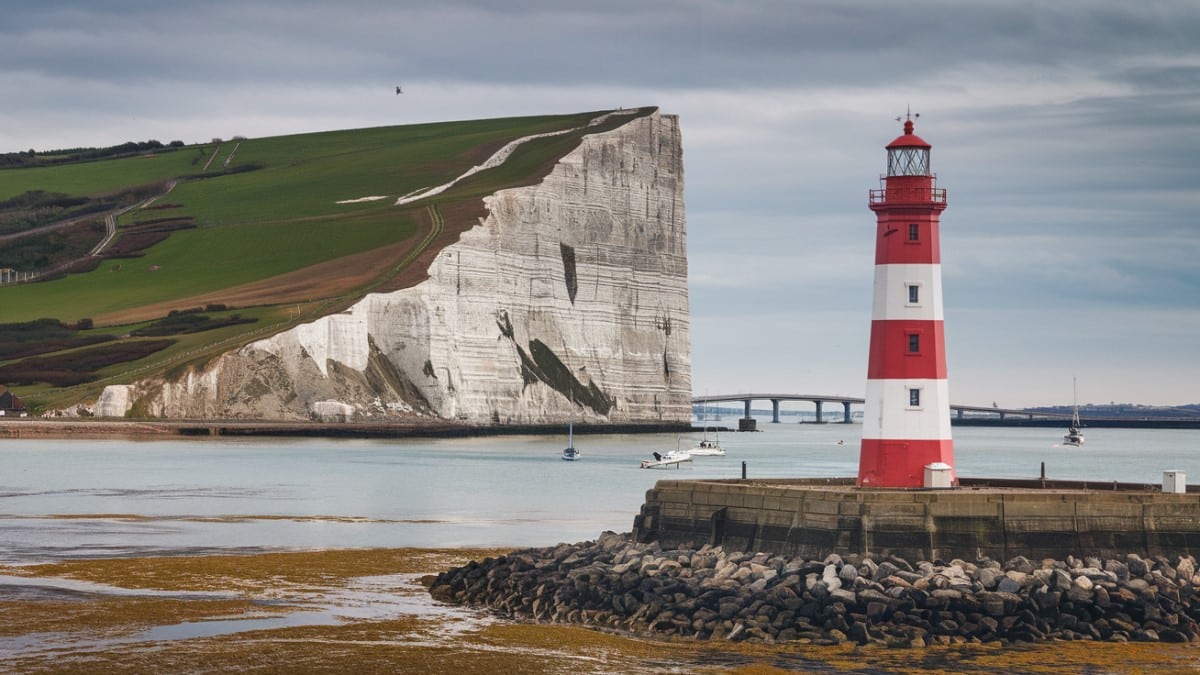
[
  {"x": 708, "y": 447},
  {"x": 673, "y": 458}
]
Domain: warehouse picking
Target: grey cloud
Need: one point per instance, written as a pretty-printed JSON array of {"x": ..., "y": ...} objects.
[{"x": 671, "y": 44}]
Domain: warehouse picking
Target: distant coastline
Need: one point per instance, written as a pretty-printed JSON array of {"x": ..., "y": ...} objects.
[{"x": 1109, "y": 423}]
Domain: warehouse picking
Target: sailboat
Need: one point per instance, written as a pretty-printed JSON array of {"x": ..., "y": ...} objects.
[
  {"x": 708, "y": 447},
  {"x": 569, "y": 453},
  {"x": 1073, "y": 437}
]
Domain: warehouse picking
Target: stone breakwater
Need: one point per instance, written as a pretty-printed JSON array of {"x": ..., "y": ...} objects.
[{"x": 713, "y": 594}]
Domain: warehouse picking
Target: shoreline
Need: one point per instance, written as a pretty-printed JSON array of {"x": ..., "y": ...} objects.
[
  {"x": 199, "y": 429},
  {"x": 302, "y": 611},
  {"x": 76, "y": 427}
]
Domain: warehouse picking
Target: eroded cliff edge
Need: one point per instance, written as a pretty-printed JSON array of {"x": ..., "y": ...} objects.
[{"x": 569, "y": 294}]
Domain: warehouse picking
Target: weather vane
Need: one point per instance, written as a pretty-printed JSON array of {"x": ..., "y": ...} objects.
[{"x": 908, "y": 115}]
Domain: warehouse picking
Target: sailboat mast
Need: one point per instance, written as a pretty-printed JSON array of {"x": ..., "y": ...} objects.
[{"x": 1074, "y": 402}]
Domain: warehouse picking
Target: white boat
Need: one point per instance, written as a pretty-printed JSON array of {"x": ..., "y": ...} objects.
[
  {"x": 708, "y": 447},
  {"x": 1073, "y": 437},
  {"x": 569, "y": 453},
  {"x": 665, "y": 461}
]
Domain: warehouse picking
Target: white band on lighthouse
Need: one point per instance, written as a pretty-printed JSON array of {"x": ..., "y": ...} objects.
[
  {"x": 894, "y": 297},
  {"x": 892, "y": 416}
]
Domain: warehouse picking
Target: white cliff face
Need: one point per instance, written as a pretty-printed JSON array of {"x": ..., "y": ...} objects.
[
  {"x": 114, "y": 401},
  {"x": 570, "y": 293}
]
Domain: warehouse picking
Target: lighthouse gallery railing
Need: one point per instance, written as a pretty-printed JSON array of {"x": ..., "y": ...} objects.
[{"x": 908, "y": 195}]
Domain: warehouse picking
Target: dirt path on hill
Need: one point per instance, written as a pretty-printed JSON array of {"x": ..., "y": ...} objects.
[
  {"x": 75, "y": 220},
  {"x": 56, "y": 225},
  {"x": 110, "y": 218}
]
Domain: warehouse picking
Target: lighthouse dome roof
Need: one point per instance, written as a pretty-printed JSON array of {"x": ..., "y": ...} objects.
[{"x": 908, "y": 139}]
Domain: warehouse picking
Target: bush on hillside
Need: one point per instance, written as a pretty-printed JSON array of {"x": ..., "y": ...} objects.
[
  {"x": 179, "y": 323},
  {"x": 70, "y": 155},
  {"x": 43, "y": 336},
  {"x": 64, "y": 370}
]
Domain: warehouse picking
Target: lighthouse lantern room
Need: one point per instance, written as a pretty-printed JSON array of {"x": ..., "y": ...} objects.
[{"x": 906, "y": 417}]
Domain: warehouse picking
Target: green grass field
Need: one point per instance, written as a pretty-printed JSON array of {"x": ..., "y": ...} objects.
[
  {"x": 271, "y": 211},
  {"x": 88, "y": 178}
]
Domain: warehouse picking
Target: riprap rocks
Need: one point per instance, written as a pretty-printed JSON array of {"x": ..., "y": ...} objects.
[{"x": 713, "y": 594}]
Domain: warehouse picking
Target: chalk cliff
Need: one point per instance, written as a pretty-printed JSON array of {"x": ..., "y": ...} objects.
[{"x": 571, "y": 293}]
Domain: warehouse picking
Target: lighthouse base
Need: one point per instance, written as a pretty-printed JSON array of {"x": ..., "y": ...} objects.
[
  {"x": 901, "y": 464},
  {"x": 995, "y": 518}
]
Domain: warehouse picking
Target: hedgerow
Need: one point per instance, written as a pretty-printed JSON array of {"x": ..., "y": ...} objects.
[{"x": 77, "y": 367}]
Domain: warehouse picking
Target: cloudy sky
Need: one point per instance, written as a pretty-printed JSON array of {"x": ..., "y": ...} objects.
[{"x": 1067, "y": 133}]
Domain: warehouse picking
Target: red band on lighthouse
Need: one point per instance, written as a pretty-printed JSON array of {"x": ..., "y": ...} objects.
[
  {"x": 908, "y": 238},
  {"x": 902, "y": 463},
  {"x": 906, "y": 418},
  {"x": 907, "y": 349}
]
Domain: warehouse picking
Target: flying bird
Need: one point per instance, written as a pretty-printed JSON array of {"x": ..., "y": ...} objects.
[{"x": 399, "y": 90}]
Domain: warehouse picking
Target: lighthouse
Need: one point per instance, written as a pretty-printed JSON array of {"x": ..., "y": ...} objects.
[{"x": 906, "y": 417}]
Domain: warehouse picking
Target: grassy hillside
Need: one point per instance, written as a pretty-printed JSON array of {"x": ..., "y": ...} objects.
[{"x": 258, "y": 235}]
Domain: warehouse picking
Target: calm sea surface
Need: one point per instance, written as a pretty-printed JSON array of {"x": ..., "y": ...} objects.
[{"x": 85, "y": 498}]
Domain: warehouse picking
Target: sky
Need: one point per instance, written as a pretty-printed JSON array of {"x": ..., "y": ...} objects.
[{"x": 1066, "y": 132}]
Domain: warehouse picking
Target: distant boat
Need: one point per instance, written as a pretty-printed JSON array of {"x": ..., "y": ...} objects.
[
  {"x": 1073, "y": 437},
  {"x": 569, "y": 453},
  {"x": 708, "y": 447},
  {"x": 665, "y": 461}
]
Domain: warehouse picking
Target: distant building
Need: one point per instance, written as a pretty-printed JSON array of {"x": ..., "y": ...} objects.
[{"x": 11, "y": 405}]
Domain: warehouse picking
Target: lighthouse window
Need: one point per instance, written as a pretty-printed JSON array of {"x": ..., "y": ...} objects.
[
  {"x": 914, "y": 232},
  {"x": 908, "y": 161},
  {"x": 914, "y": 294},
  {"x": 914, "y": 398},
  {"x": 914, "y": 343}
]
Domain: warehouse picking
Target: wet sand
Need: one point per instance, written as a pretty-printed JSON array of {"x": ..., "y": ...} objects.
[{"x": 368, "y": 611}]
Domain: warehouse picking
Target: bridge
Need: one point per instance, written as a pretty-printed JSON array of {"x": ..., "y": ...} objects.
[{"x": 819, "y": 400}]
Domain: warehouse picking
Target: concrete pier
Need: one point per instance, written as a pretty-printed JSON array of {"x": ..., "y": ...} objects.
[{"x": 999, "y": 519}]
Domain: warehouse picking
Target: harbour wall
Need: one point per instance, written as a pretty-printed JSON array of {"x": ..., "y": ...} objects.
[{"x": 997, "y": 519}]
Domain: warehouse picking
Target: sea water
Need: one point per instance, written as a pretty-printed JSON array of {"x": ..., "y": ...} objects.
[{"x": 118, "y": 497}]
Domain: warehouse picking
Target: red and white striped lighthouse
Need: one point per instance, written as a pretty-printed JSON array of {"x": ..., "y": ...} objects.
[{"x": 906, "y": 418}]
